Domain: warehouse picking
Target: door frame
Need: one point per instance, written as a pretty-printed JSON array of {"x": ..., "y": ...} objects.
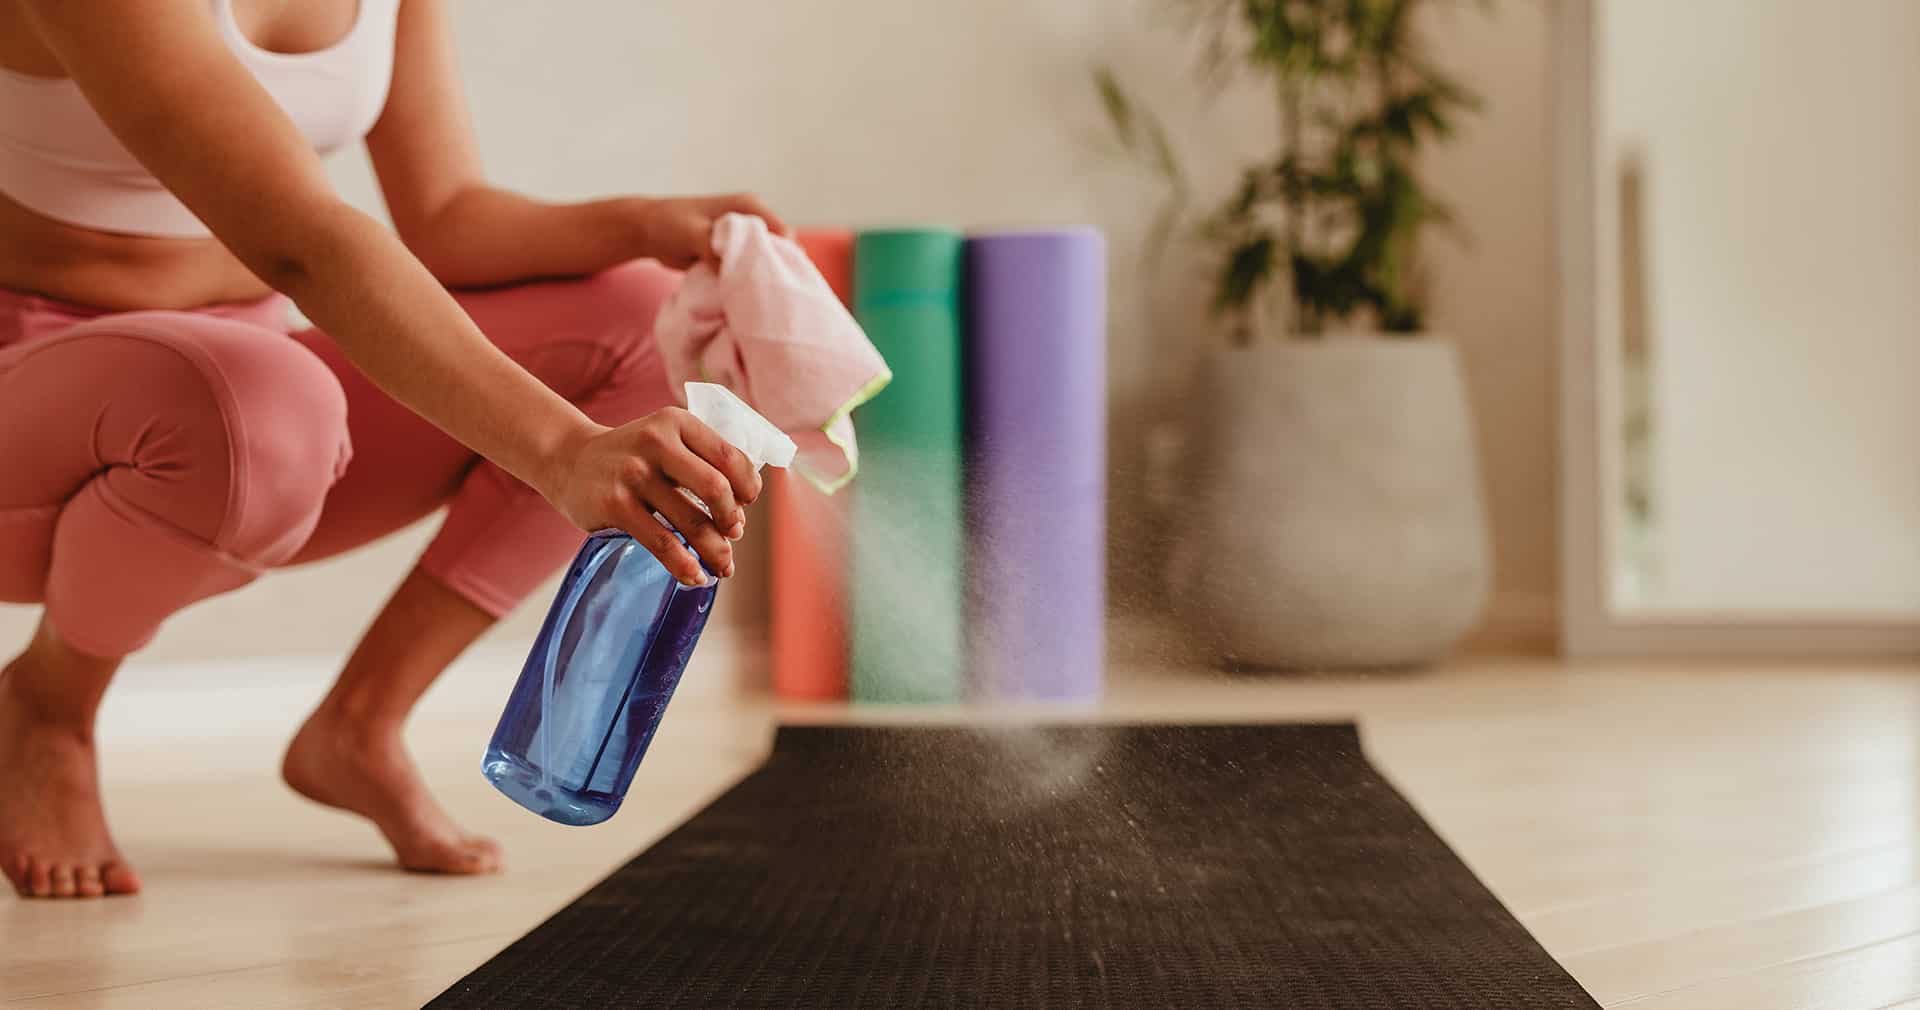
[{"x": 1589, "y": 625}]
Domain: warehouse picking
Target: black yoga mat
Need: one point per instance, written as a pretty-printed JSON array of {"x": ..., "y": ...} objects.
[{"x": 1133, "y": 866}]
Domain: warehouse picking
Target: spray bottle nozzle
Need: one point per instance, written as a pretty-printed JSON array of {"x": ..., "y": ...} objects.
[{"x": 741, "y": 425}]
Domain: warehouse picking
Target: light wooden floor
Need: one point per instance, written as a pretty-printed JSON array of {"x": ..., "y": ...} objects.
[{"x": 1679, "y": 836}]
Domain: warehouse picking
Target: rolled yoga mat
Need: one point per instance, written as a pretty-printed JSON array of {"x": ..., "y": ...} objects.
[
  {"x": 1037, "y": 464},
  {"x": 1114, "y": 867},
  {"x": 907, "y": 544},
  {"x": 810, "y": 544}
]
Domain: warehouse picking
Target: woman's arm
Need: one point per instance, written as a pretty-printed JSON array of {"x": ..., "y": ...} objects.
[
  {"x": 471, "y": 234},
  {"x": 163, "y": 80}
]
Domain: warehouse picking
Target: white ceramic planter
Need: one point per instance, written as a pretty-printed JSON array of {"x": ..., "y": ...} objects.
[{"x": 1339, "y": 520}]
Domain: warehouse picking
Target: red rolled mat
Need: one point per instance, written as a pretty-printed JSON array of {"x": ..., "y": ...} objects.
[
  {"x": 832, "y": 252},
  {"x": 809, "y": 544}
]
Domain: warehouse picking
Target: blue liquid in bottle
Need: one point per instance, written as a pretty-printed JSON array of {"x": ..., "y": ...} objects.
[{"x": 597, "y": 682}]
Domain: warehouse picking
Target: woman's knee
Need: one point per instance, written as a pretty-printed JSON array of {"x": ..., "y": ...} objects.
[
  {"x": 590, "y": 339},
  {"x": 614, "y": 308},
  {"x": 635, "y": 383},
  {"x": 235, "y": 437},
  {"x": 628, "y": 297}
]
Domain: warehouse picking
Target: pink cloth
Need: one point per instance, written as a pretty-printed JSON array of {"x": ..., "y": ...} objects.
[
  {"x": 767, "y": 326},
  {"x": 153, "y": 459}
]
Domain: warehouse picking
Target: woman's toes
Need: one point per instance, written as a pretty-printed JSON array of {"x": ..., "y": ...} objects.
[
  {"x": 463, "y": 856},
  {"x": 119, "y": 878},
  {"x": 467, "y": 863},
  {"x": 53, "y": 834},
  {"x": 39, "y": 880},
  {"x": 486, "y": 854},
  {"x": 466, "y": 857}
]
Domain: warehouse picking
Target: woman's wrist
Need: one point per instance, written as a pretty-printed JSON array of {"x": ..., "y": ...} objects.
[
  {"x": 637, "y": 223},
  {"x": 555, "y": 453}
]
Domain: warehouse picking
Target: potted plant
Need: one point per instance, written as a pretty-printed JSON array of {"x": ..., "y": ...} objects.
[{"x": 1339, "y": 517}]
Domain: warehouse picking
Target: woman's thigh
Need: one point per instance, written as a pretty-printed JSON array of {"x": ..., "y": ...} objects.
[
  {"x": 590, "y": 340},
  {"x": 207, "y": 430},
  {"x": 403, "y": 467}
]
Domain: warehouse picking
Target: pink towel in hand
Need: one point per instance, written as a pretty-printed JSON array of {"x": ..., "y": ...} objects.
[{"x": 767, "y": 326}]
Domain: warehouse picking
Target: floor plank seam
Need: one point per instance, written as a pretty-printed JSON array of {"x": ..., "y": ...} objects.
[
  {"x": 1746, "y": 920},
  {"x": 1804, "y": 959},
  {"x": 1759, "y": 870},
  {"x": 505, "y": 935}
]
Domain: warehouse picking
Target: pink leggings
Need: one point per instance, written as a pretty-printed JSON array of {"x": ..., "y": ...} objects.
[{"x": 152, "y": 459}]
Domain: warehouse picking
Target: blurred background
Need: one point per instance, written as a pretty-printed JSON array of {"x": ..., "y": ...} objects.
[
  {"x": 977, "y": 115},
  {"x": 1766, "y": 229},
  {"x": 1676, "y": 274}
]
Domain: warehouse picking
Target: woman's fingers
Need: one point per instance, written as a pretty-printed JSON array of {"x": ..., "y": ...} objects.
[
  {"x": 638, "y": 522},
  {"x": 706, "y": 539},
  {"x": 720, "y": 474},
  {"x": 710, "y": 486},
  {"x": 674, "y": 443},
  {"x": 664, "y": 457},
  {"x": 747, "y": 203}
]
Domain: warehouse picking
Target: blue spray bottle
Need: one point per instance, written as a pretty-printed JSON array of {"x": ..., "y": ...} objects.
[{"x": 610, "y": 654}]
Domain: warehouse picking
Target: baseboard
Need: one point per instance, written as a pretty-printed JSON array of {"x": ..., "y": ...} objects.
[{"x": 1517, "y": 624}]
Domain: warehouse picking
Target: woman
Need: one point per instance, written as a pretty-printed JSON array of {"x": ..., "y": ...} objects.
[{"x": 166, "y": 434}]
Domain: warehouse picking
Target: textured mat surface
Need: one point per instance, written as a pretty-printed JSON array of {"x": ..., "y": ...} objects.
[{"x": 1229, "y": 866}]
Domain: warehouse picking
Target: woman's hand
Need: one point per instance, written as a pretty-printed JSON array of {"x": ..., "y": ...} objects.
[
  {"x": 618, "y": 477},
  {"x": 679, "y": 231}
]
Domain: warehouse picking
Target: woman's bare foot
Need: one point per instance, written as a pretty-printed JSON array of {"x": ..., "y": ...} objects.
[
  {"x": 54, "y": 841},
  {"x": 342, "y": 763}
]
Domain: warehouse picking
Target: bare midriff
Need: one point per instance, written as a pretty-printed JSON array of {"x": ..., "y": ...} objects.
[
  {"x": 42, "y": 256},
  {"x": 46, "y": 257}
]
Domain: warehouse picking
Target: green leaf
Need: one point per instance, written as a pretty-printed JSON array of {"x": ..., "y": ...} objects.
[
  {"x": 1165, "y": 161},
  {"x": 1447, "y": 93},
  {"x": 1248, "y": 196},
  {"x": 1249, "y": 268},
  {"x": 1119, "y": 108},
  {"x": 1402, "y": 317},
  {"x": 1133, "y": 126}
]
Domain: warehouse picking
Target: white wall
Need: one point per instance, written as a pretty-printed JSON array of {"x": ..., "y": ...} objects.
[
  {"x": 975, "y": 113},
  {"x": 1782, "y": 232},
  {"x": 1497, "y": 296}
]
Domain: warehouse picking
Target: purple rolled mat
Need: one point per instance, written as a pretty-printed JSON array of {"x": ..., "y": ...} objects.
[{"x": 1037, "y": 465}]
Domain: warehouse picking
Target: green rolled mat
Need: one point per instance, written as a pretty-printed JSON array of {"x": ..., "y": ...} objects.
[{"x": 908, "y": 541}]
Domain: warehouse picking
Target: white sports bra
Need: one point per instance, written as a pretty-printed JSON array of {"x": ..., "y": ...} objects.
[{"x": 58, "y": 159}]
